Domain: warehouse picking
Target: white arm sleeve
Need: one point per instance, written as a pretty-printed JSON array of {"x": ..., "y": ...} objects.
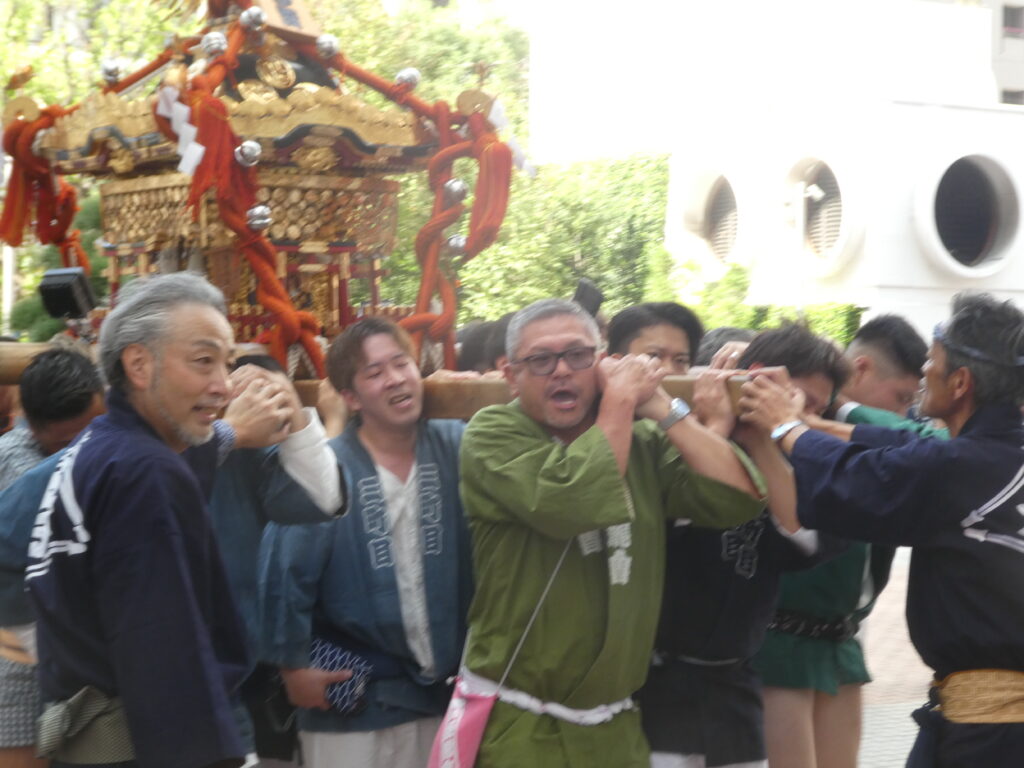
[
  {"x": 844, "y": 410},
  {"x": 804, "y": 539},
  {"x": 310, "y": 462}
]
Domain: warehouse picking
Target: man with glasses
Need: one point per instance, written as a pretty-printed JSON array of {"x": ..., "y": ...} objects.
[{"x": 567, "y": 495}]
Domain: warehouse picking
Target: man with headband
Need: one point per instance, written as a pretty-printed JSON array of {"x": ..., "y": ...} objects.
[{"x": 958, "y": 503}]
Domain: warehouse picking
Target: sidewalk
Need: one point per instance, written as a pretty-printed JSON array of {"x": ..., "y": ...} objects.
[{"x": 900, "y": 679}]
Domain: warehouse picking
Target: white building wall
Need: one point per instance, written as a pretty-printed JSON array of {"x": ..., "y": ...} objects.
[{"x": 888, "y": 98}]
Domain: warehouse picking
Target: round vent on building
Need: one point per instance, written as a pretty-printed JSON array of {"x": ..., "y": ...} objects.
[
  {"x": 966, "y": 211},
  {"x": 967, "y": 214},
  {"x": 824, "y": 209},
  {"x": 721, "y": 219}
]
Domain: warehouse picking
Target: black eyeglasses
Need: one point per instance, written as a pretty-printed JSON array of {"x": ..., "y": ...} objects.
[{"x": 544, "y": 363}]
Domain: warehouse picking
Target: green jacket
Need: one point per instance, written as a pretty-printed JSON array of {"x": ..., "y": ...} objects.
[{"x": 527, "y": 495}]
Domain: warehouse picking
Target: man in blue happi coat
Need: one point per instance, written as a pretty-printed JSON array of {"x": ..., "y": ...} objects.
[
  {"x": 389, "y": 583},
  {"x": 958, "y": 503},
  {"x": 140, "y": 648}
]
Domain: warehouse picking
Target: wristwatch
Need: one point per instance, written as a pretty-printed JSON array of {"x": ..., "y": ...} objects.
[
  {"x": 678, "y": 410},
  {"x": 784, "y": 429}
]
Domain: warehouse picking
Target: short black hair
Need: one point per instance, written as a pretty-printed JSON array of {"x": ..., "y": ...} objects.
[
  {"x": 496, "y": 339},
  {"x": 986, "y": 336},
  {"x": 473, "y": 351},
  {"x": 630, "y": 323},
  {"x": 717, "y": 338},
  {"x": 266, "y": 362},
  {"x": 58, "y": 384},
  {"x": 346, "y": 355},
  {"x": 896, "y": 340},
  {"x": 803, "y": 354}
]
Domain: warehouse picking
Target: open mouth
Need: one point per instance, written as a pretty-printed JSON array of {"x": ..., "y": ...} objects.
[
  {"x": 401, "y": 400},
  {"x": 206, "y": 413},
  {"x": 564, "y": 398}
]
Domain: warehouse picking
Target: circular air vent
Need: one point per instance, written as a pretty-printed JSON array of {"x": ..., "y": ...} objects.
[
  {"x": 828, "y": 231},
  {"x": 721, "y": 219},
  {"x": 966, "y": 212},
  {"x": 824, "y": 209},
  {"x": 971, "y": 216}
]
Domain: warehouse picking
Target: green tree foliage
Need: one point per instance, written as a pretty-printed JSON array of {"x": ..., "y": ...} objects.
[
  {"x": 603, "y": 219},
  {"x": 65, "y": 41},
  {"x": 28, "y": 314},
  {"x": 595, "y": 220},
  {"x": 722, "y": 303}
]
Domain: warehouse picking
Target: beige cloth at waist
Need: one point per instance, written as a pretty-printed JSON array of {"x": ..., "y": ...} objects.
[
  {"x": 12, "y": 649},
  {"x": 90, "y": 727},
  {"x": 982, "y": 696}
]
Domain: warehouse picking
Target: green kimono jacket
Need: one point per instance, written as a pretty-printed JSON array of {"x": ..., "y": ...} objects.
[{"x": 526, "y": 495}]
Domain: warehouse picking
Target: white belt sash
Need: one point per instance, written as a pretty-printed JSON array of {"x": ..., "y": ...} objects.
[{"x": 475, "y": 684}]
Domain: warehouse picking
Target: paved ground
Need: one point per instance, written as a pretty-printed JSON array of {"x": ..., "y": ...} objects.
[{"x": 900, "y": 679}]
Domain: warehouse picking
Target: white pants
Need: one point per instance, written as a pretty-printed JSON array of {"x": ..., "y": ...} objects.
[
  {"x": 671, "y": 760},
  {"x": 403, "y": 746}
]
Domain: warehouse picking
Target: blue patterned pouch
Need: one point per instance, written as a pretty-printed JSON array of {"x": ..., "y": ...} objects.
[{"x": 347, "y": 697}]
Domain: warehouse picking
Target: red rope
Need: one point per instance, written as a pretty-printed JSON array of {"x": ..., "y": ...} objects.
[
  {"x": 489, "y": 204},
  {"x": 236, "y": 188},
  {"x": 33, "y": 190}
]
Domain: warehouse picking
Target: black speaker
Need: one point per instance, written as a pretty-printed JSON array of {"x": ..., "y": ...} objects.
[
  {"x": 66, "y": 293},
  {"x": 588, "y": 296}
]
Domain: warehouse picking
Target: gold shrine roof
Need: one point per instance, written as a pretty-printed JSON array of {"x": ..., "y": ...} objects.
[{"x": 111, "y": 133}]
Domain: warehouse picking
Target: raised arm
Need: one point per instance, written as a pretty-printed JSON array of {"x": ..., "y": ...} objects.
[
  {"x": 704, "y": 451},
  {"x": 512, "y": 470}
]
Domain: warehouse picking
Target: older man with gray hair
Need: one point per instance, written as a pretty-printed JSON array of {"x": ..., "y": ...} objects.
[
  {"x": 139, "y": 644},
  {"x": 567, "y": 495}
]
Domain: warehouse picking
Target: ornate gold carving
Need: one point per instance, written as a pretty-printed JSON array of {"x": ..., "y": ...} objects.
[
  {"x": 318, "y": 159},
  {"x": 474, "y": 101},
  {"x": 256, "y": 90},
  {"x": 275, "y": 71},
  {"x": 176, "y": 76},
  {"x": 121, "y": 161},
  {"x": 301, "y": 100},
  {"x": 22, "y": 106}
]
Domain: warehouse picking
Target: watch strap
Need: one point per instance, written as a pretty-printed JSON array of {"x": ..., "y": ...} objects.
[
  {"x": 678, "y": 410},
  {"x": 784, "y": 429}
]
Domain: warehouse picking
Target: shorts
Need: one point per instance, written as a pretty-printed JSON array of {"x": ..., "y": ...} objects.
[
  {"x": 789, "y": 661},
  {"x": 19, "y": 704}
]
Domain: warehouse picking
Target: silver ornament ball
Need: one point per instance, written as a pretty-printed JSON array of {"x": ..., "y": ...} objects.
[
  {"x": 327, "y": 46},
  {"x": 456, "y": 245},
  {"x": 253, "y": 19},
  {"x": 259, "y": 217},
  {"x": 111, "y": 71},
  {"x": 248, "y": 153},
  {"x": 455, "y": 190},
  {"x": 214, "y": 44},
  {"x": 409, "y": 76}
]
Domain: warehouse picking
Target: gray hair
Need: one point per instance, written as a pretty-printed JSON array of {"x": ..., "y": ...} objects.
[
  {"x": 142, "y": 316},
  {"x": 542, "y": 310},
  {"x": 986, "y": 336}
]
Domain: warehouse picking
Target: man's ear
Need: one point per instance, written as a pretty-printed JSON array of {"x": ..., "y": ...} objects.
[
  {"x": 351, "y": 399},
  {"x": 510, "y": 379},
  {"x": 861, "y": 365},
  {"x": 755, "y": 366},
  {"x": 962, "y": 383},
  {"x": 139, "y": 363}
]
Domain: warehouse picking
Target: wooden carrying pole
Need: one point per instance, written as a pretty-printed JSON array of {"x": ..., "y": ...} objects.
[
  {"x": 455, "y": 399},
  {"x": 14, "y": 357},
  {"x": 461, "y": 399}
]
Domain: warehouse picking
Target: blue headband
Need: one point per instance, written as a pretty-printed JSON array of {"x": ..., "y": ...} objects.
[{"x": 975, "y": 354}]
